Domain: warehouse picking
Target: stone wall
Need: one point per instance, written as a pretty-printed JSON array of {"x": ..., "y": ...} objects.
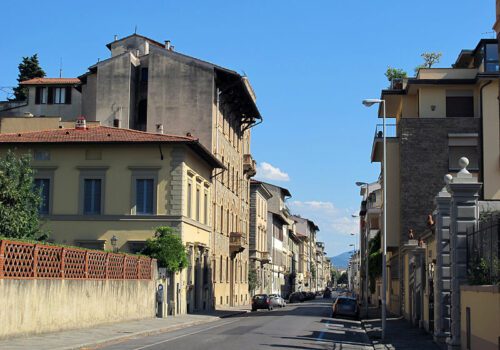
[
  {"x": 47, "y": 305},
  {"x": 424, "y": 160}
]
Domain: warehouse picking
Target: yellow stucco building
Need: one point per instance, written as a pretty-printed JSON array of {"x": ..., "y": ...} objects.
[{"x": 109, "y": 188}]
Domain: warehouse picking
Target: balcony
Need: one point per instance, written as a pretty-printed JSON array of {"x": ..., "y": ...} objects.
[
  {"x": 378, "y": 140},
  {"x": 265, "y": 257},
  {"x": 236, "y": 243},
  {"x": 249, "y": 165}
]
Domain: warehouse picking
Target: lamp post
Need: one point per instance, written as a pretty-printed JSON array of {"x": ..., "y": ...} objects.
[
  {"x": 366, "y": 252},
  {"x": 369, "y": 103},
  {"x": 114, "y": 240}
]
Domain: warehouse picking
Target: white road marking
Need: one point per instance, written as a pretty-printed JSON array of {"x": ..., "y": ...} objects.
[{"x": 183, "y": 335}]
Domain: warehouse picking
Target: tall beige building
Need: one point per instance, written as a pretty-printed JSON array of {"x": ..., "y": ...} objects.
[{"x": 146, "y": 85}]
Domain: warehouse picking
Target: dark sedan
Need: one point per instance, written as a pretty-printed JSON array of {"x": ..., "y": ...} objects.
[
  {"x": 345, "y": 306},
  {"x": 261, "y": 301}
]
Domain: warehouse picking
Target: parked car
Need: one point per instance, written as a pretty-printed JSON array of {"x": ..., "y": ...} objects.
[
  {"x": 261, "y": 301},
  {"x": 277, "y": 300},
  {"x": 296, "y": 297},
  {"x": 345, "y": 306}
]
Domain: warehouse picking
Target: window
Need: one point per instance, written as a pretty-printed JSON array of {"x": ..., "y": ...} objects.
[
  {"x": 189, "y": 191},
  {"x": 144, "y": 196},
  {"x": 43, "y": 185},
  {"x": 40, "y": 95},
  {"x": 91, "y": 244},
  {"x": 205, "y": 209},
  {"x": 59, "y": 95},
  {"x": 227, "y": 269},
  {"x": 459, "y": 104},
  {"x": 144, "y": 74},
  {"x": 92, "y": 197},
  {"x": 220, "y": 267},
  {"x": 491, "y": 58},
  {"x": 41, "y": 155},
  {"x": 198, "y": 206}
]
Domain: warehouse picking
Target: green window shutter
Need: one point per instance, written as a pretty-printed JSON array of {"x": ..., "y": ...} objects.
[
  {"x": 50, "y": 95},
  {"x": 68, "y": 95},
  {"x": 38, "y": 92}
]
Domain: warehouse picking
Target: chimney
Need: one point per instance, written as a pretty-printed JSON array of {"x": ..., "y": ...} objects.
[
  {"x": 168, "y": 45},
  {"x": 116, "y": 37},
  {"x": 81, "y": 123},
  {"x": 159, "y": 128}
]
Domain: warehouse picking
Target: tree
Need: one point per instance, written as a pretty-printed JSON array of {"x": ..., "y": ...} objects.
[
  {"x": 252, "y": 279},
  {"x": 395, "y": 73},
  {"x": 167, "y": 249},
  {"x": 19, "y": 202},
  {"x": 430, "y": 59},
  {"x": 29, "y": 68},
  {"x": 313, "y": 271},
  {"x": 374, "y": 261},
  {"x": 342, "y": 279}
]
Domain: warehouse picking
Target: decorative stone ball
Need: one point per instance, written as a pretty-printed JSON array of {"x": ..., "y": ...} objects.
[
  {"x": 448, "y": 178},
  {"x": 463, "y": 162}
]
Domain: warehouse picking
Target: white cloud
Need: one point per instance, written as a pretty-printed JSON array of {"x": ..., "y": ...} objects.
[
  {"x": 335, "y": 224},
  {"x": 266, "y": 171}
]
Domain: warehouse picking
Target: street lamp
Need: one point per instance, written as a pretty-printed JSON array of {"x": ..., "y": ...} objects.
[
  {"x": 368, "y": 103},
  {"x": 114, "y": 240}
]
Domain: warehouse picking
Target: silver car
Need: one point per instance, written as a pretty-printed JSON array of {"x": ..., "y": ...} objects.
[{"x": 277, "y": 300}]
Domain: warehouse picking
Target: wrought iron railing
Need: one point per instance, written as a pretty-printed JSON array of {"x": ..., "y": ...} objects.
[
  {"x": 21, "y": 260},
  {"x": 390, "y": 130},
  {"x": 483, "y": 252}
]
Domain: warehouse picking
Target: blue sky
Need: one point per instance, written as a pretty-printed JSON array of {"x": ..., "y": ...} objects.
[{"x": 310, "y": 63}]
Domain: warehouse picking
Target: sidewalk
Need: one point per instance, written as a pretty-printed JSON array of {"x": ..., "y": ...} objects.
[
  {"x": 399, "y": 334},
  {"x": 115, "y": 332}
]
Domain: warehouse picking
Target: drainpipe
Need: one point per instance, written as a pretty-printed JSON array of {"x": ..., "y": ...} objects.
[{"x": 481, "y": 137}]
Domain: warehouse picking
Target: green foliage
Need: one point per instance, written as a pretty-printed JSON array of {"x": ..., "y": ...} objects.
[
  {"x": 29, "y": 68},
  {"x": 167, "y": 249},
  {"x": 313, "y": 271},
  {"x": 19, "y": 202},
  {"x": 342, "y": 279},
  {"x": 252, "y": 279},
  {"x": 479, "y": 272},
  {"x": 430, "y": 59},
  {"x": 374, "y": 261},
  {"x": 395, "y": 73}
]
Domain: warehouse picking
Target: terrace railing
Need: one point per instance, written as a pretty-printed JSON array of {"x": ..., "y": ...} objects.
[
  {"x": 20, "y": 260},
  {"x": 483, "y": 252}
]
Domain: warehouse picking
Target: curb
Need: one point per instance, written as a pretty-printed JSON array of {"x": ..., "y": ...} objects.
[{"x": 121, "y": 338}]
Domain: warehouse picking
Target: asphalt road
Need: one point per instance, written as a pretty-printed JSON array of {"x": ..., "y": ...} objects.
[{"x": 306, "y": 326}]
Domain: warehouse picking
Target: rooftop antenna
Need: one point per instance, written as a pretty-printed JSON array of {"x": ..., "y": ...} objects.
[
  {"x": 492, "y": 32},
  {"x": 135, "y": 30},
  {"x": 60, "y": 67}
]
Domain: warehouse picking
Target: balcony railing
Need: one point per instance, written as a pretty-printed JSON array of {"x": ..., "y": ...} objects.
[
  {"x": 236, "y": 242},
  {"x": 390, "y": 131},
  {"x": 249, "y": 165}
]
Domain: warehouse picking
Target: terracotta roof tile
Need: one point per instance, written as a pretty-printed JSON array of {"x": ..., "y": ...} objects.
[
  {"x": 91, "y": 134},
  {"x": 51, "y": 81},
  {"x": 107, "y": 135}
]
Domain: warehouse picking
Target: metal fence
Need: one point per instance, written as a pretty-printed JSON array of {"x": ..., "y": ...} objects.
[
  {"x": 20, "y": 260},
  {"x": 483, "y": 252}
]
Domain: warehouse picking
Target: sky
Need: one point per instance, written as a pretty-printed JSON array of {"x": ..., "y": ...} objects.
[{"x": 309, "y": 62}]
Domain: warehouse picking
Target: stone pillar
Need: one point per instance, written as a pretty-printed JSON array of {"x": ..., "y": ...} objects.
[
  {"x": 442, "y": 274},
  {"x": 464, "y": 190}
]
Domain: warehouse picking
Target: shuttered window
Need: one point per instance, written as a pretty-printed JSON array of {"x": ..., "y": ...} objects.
[
  {"x": 459, "y": 107},
  {"x": 92, "y": 197},
  {"x": 144, "y": 196}
]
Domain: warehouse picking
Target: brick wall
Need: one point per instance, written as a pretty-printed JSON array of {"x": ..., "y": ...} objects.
[{"x": 424, "y": 160}]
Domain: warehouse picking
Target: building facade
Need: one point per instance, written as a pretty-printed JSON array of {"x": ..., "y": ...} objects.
[{"x": 163, "y": 180}]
